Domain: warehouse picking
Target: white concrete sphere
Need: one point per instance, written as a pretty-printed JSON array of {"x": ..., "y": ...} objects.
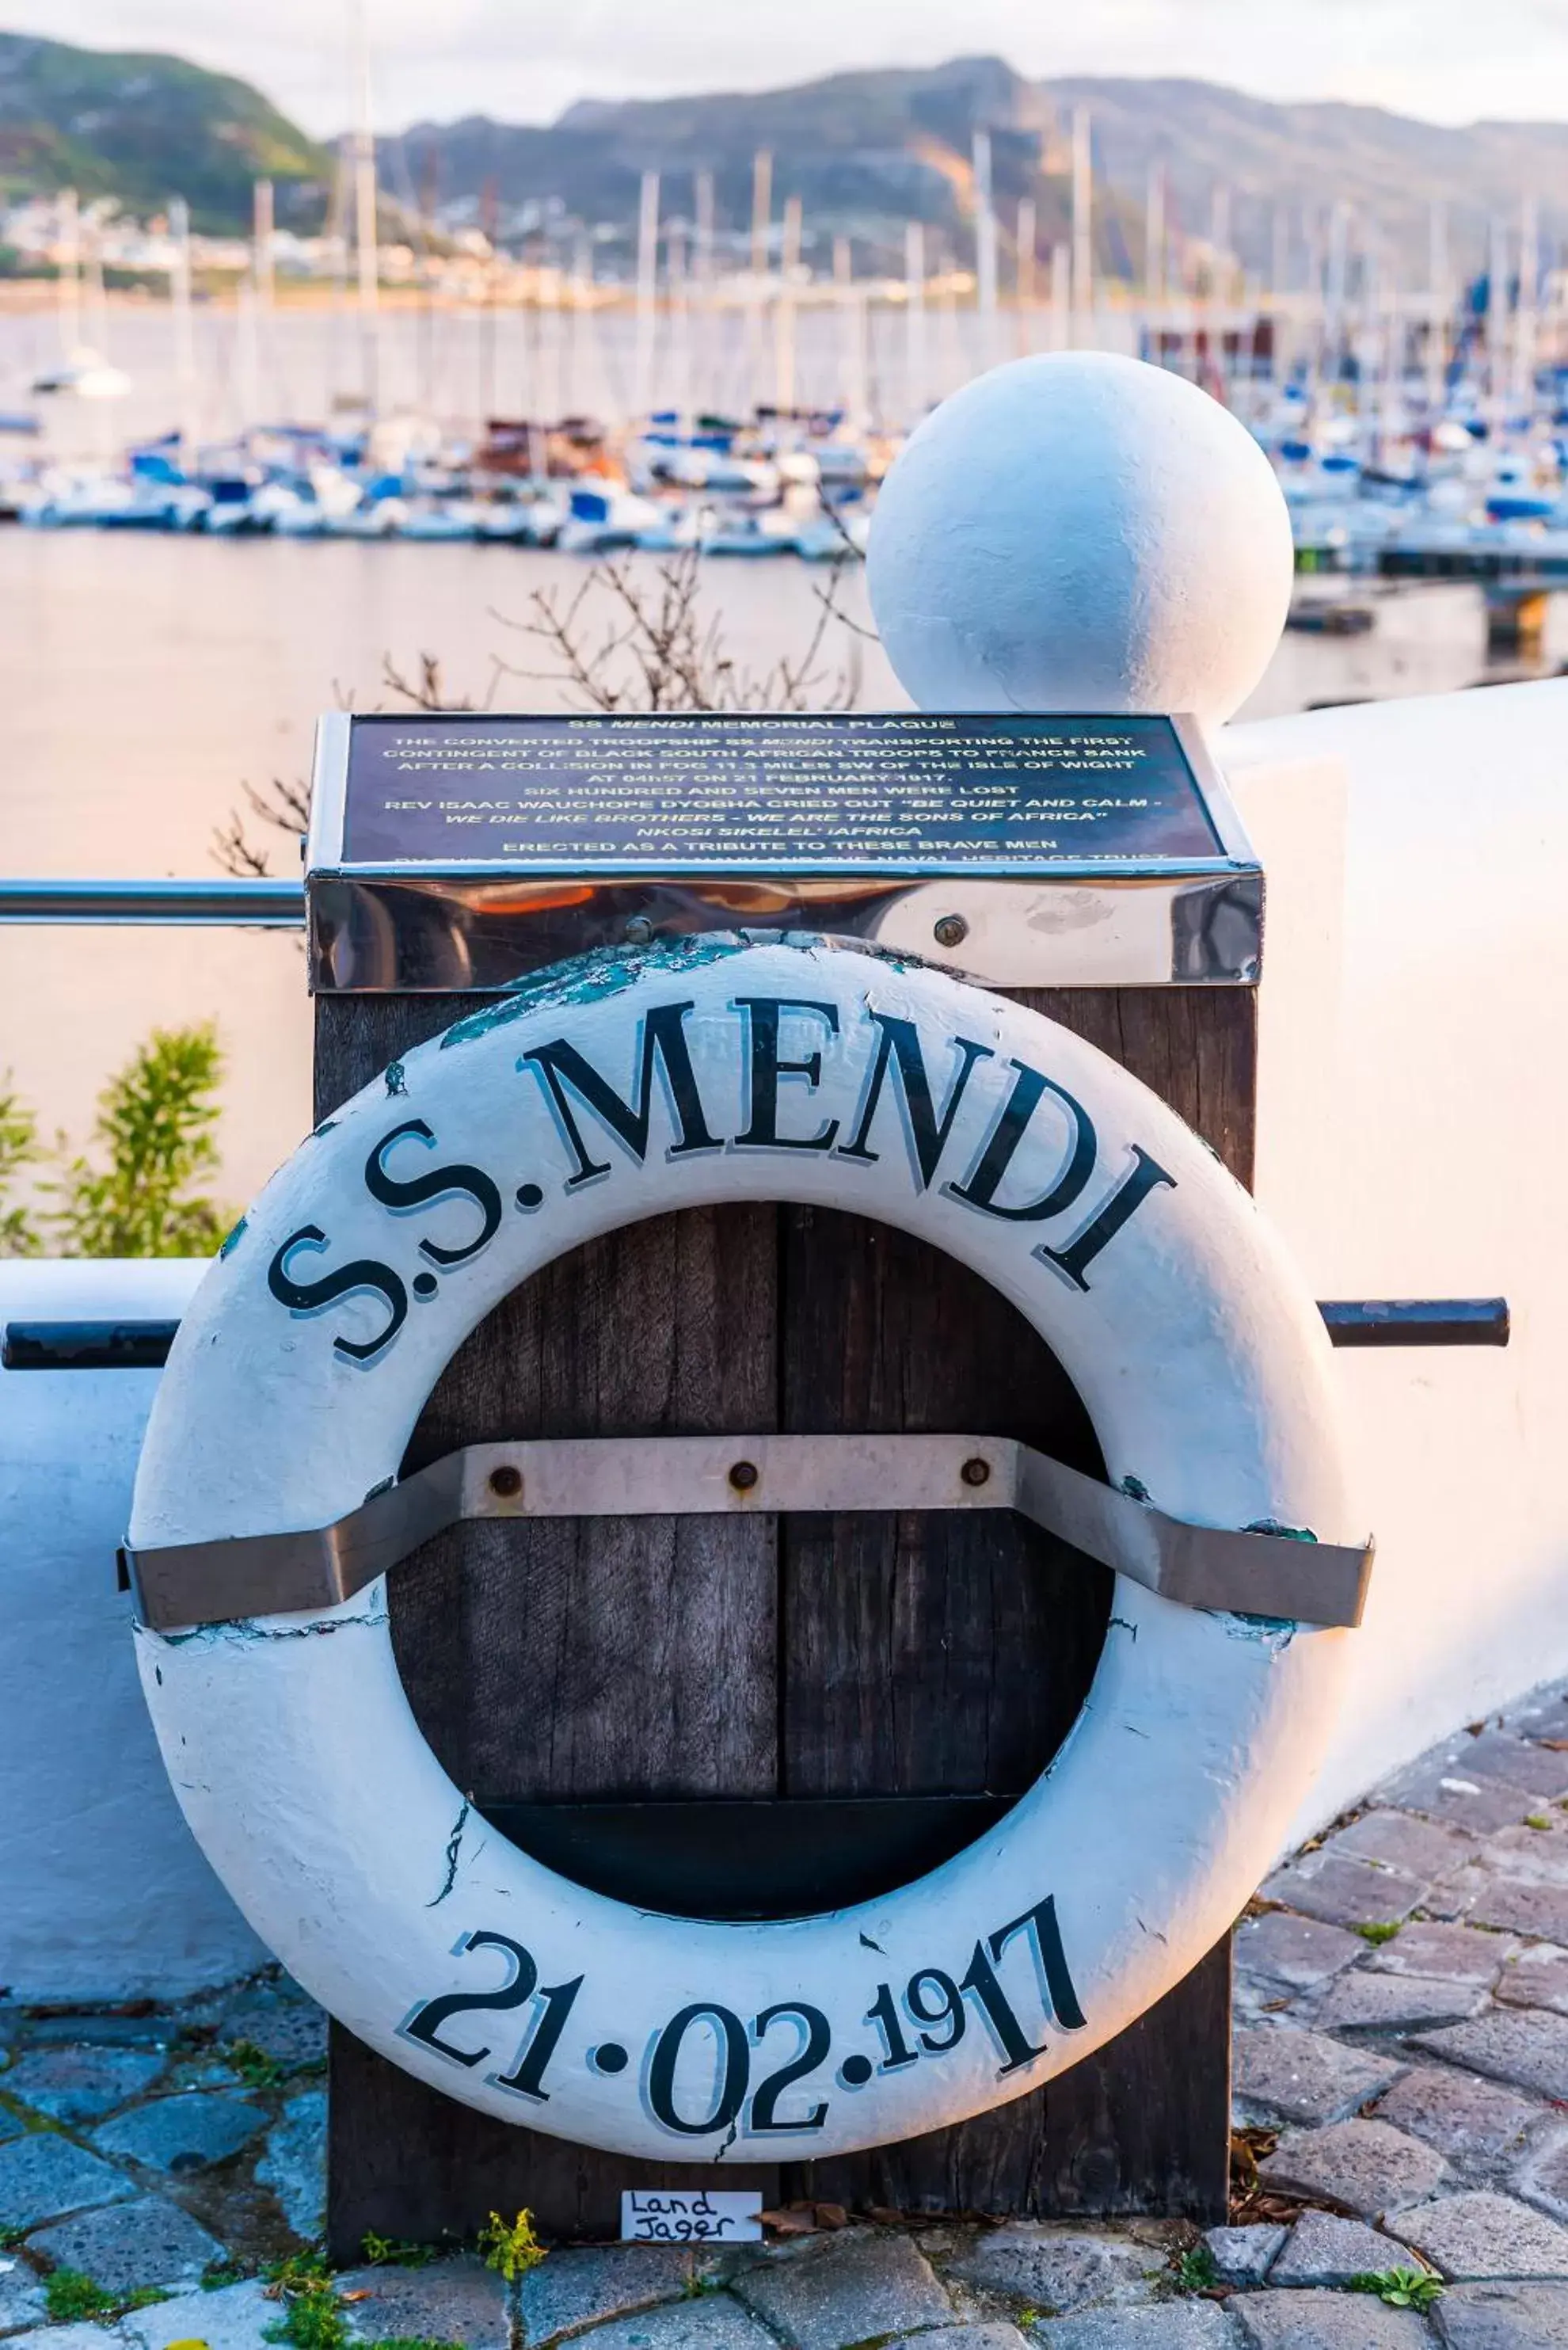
[{"x": 1081, "y": 531}]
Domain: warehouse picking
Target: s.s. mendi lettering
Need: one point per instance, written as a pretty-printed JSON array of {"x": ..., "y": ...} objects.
[{"x": 603, "y": 1113}]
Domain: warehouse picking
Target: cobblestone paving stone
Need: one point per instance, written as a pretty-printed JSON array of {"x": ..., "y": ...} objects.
[
  {"x": 1504, "y": 2318},
  {"x": 1369, "y": 2002},
  {"x": 1542, "y": 2177},
  {"x": 1193, "y": 2326},
  {"x": 716, "y": 2323},
  {"x": 43, "y": 2175},
  {"x": 1299, "y": 1951},
  {"x": 1244, "y": 2255},
  {"x": 844, "y": 2288},
  {"x": 1482, "y": 2235},
  {"x": 1479, "y": 2126},
  {"x": 1522, "y": 2046},
  {"x": 21, "y": 2294},
  {"x": 1056, "y": 2270},
  {"x": 1327, "y": 2320},
  {"x": 79, "y": 2084},
  {"x": 233, "y": 2318},
  {"x": 1538, "y": 1977},
  {"x": 1342, "y": 1891},
  {"x": 1410, "y": 2081},
  {"x": 1322, "y": 2249},
  {"x": 1368, "y": 2166},
  {"x": 144, "y": 2242},
  {"x": 450, "y": 2301},
  {"x": 1452, "y": 1953},
  {"x": 1286, "y": 2074},
  {"x": 183, "y": 2134},
  {"x": 562, "y": 2296}
]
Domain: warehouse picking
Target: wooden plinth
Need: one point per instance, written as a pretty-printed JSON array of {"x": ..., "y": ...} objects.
[{"x": 809, "y": 1661}]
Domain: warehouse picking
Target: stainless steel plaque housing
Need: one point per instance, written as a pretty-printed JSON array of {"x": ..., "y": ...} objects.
[{"x": 462, "y": 851}]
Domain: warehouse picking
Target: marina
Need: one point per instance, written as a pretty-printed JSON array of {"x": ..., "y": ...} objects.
[{"x": 688, "y": 381}]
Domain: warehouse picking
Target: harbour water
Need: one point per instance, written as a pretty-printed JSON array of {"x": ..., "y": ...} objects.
[{"x": 146, "y": 678}]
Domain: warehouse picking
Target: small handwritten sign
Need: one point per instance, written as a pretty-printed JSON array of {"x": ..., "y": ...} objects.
[{"x": 692, "y": 2215}]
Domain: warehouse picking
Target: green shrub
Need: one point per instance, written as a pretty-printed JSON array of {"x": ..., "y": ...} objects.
[
  {"x": 19, "y": 1235},
  {"x": 153, "y": 1137}
]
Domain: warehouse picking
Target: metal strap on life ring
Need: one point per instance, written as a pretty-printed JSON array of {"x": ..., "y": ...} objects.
[{"x": 1266, "y": 1572}]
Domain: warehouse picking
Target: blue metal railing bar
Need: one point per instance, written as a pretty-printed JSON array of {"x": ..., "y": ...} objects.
[{"x": 263, "y": 902}]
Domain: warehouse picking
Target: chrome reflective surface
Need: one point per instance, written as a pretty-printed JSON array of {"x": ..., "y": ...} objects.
[
  {"x": 417, "y": 927},
  {"x": 267, "y": 904}
]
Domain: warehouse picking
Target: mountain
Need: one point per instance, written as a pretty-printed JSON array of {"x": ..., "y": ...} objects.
[
  {"x": 143, "y": 128},
  {"x": 866, "y": 151}
]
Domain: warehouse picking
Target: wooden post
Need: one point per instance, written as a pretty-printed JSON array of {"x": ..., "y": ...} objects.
[{"x": 580, "y": 1668}]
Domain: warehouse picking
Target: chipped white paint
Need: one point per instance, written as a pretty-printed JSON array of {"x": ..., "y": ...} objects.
[
  {"x": 289, "y": 1741},
  {"x": 1078, "y": 532}
]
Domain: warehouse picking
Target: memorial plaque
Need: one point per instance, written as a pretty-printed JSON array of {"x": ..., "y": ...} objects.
[{"x": 1020, "y": 849}]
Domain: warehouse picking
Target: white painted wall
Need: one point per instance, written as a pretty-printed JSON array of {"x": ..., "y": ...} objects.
[
  {"x": 103, "y": 1891},
  {"x": 1414, "y": 1118},
  {"x": 1414, "y": 1086}
]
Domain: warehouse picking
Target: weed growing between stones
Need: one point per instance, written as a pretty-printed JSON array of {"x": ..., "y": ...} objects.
[
  {"x": 1401, "y": 2288},
  {"x": 1195, "y": 2270},
  {"x": 312, "y": 2315},
  {"x": 255, "y": 2068},
  {"x": 1376, "y": 1935},
  {"x": 510, "y": 2248},
  {"x": 383, "y": 2251},
  {"x": 69, "y": 2296}
]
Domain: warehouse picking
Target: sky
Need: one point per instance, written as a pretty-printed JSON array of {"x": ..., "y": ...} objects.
[{"x": 1450, "y": 60}]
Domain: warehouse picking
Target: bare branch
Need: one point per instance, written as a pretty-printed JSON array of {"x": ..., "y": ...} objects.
[
  {"x": 428, "y": 690},
  {"x": 632, "y": 639},
  {"x": 283, "y": 806}
]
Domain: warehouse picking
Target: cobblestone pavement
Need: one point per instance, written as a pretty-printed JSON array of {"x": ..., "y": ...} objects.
[{"x": 1402, "y": 2104}]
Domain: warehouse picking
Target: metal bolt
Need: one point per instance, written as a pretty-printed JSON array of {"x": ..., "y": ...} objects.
[
  {"x": 976, "y": 1471},
  {"x": 743, "y": 1476},
  {"x": 506, "y": 1483},
  {"x": 640, "y": 931},
  {"x": 951, "y": 931}
]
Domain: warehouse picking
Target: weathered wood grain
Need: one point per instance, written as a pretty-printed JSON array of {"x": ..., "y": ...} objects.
[
  {"x": 573, "y": 1658},
  {"x": 864, "y": 1655}
]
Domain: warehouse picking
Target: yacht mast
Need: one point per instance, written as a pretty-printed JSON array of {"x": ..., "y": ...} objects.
[
  {"x": 1024, "y": 274},
  {"x": 179, "y": 307},
  {"x": 785, "y": 321},
  {"x": 984, "y": 250},
  {"x": 915, "y": 373},
  {"x": 647, "y": 296},
  {"x": 366, "y": 237},
  {"x": 68, "y": 249},
  {"x": 1083, "y": 330},
  {"x": 1439, "y": 301}
]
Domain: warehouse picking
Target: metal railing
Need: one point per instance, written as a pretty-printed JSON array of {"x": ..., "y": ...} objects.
[
  {"x": 262, "y": 903},
  {"x": 267, "y": 904}
]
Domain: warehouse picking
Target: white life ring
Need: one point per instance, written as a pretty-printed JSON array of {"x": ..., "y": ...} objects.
[{"x": 619, "y": 1087}]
